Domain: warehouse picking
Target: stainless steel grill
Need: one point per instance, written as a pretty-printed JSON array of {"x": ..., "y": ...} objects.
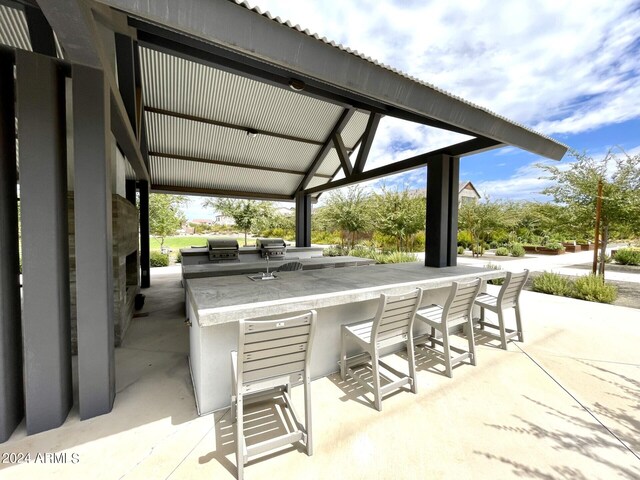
[
  {"x": 222, "y": 249},
  {"x": 271, "y": 247}
]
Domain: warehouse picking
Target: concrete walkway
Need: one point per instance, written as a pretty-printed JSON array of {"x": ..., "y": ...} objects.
[
  {"x": 563, "y": 405},
  {"x": 576, "y": 264}
]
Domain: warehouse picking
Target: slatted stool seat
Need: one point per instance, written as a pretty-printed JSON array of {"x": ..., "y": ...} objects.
[
  {"x": 455, "y": 312},
  {"x": 508, "y": 297},
  {"x": 392, "y": 325},
  {"x": 272, "y": 355}
]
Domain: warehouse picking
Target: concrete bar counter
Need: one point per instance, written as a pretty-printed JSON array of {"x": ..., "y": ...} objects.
[
  {"x": 200, "y": 255},
  {"x": 238, "y": 268},
  {"x": 340, "y": 296}
]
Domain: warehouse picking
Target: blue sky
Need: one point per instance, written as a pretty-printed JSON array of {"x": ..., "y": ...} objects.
[{"x": 567, "y": 68}]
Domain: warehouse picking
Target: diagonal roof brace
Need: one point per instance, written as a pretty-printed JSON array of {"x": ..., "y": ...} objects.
[
  {"x": 367, "y": 141},
  {"x": 469, "y": 147},
  {"x": 343, "y": 155},
  {"x": 340, "y": 124}
]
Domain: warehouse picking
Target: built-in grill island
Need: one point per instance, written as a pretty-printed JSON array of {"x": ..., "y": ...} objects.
[
  {"x": 271, "y": 247},
  {"x": 222, "y": 249}
]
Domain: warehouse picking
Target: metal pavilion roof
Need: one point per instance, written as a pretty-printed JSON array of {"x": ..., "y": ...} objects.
[
  {"x": 219, "y": 117},
  {"x": 212, "y": 130}
]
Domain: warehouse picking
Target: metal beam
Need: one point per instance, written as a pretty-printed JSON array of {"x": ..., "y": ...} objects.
[
  {"x": 93, "y": 241},
  {"x": 343, "y": 155},
  {"x": 240, "y": 32},
  {"x": 194, "y": 118},
  {"x": 469, "y": 147},
  {"x": 317, "y": 161},
  {"x": 45, "y": 241},
  {"x": 228, "y": 164},
  {"x": 366, "y": 141},
  {"x": 452, "y": 232},
  {"x": 303, "y": 220},
  {"x": 126, "y": 77},
  {"x": 145, "y": 265},
  {"x": 75, "y": 27},
  {"x": 11, "y": 385},
  {"x": 40, "y": 32},
  {"x": 217, "y": 192}
]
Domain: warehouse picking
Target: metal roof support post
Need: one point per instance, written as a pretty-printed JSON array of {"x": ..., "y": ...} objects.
[
  {"x": 11, "y": 387},
  {"x": 130, "y": 191},
  {"x": 45, "y": 241},
  {"x": 438, "y": 221},
  {"x": 145, "y": 274},
  {"x": 303, "y": 220},
  {"x": 452, "y": 232},
  {"x": 93, "y": 150}
]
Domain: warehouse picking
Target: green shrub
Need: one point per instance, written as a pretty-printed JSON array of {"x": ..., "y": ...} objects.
[
  {"x": 334, "y": 251},
  {"x": 179, "y": 257},
  {"x": 502, "y": 252},
  {"x": 553, "y": 284},
  {"x": 323, "y": 237},
  {"x": 627, "y": 256},
  {"x": 461, "y": 250},
  {"x": 477, "y": 250},
  {"x": 607, "y": 258},
  {"x": 464, "y": 239},
  {"x": 494, "y": 281},
  {"x": 362, "y": 251},
  {"x": 517, "y": 250},
  {"x": 158, "y": 259},
  {"x": 417, "y": 242},
  {"x": 554, "y": 246},
  {"x": 593, "y": 288},
  {"x": 395, "y": 257}
]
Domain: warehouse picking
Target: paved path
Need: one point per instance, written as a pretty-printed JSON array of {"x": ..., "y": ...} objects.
[{"x": 564, "y": 264}]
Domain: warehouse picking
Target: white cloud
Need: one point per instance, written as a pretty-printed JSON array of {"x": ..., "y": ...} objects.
[
  {"x": 560, "y": 67},
  {"x": 525, "y": 184}
]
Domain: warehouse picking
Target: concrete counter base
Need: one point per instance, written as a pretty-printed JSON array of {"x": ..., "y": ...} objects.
[{"x": 340, "y": 297}]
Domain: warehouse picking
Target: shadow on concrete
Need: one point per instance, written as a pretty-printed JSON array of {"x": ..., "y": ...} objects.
[
  {"x": 262, "y": 421},
  {"x": 152, "y": 378},
  {"x": 624, "y": 422},
  {"x": 572, "y": 433},
  {"x": 354, "y": 391}
]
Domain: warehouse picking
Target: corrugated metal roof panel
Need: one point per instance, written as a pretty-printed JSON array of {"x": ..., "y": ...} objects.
[
  {"x": 178, "y": 85},
  {"x": 341, "y": 47},
  {"x": 316, "y": 181},
  {"x": 330, "y": 163},
  {"x": 354, "y": 129},
  {"x": 182, "y": 173},
  {"x": 173, "y": 135},
  {"x": 13, "y": 28}
]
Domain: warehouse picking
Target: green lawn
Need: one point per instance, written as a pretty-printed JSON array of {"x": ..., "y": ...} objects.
[
  {"x": 186, "y": 241},
  {"x": 176, "y": 243}
]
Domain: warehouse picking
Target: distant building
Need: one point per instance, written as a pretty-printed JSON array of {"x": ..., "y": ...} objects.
[
  {"x": 202, "y": 221},
  {"x": 285, "y": 210},
  {"x": 467, "y": 193},
  {"x": 223, "y": 220}
]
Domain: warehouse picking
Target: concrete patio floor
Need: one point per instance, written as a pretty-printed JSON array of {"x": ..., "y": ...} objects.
[{"x": 565, "y": 404}]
